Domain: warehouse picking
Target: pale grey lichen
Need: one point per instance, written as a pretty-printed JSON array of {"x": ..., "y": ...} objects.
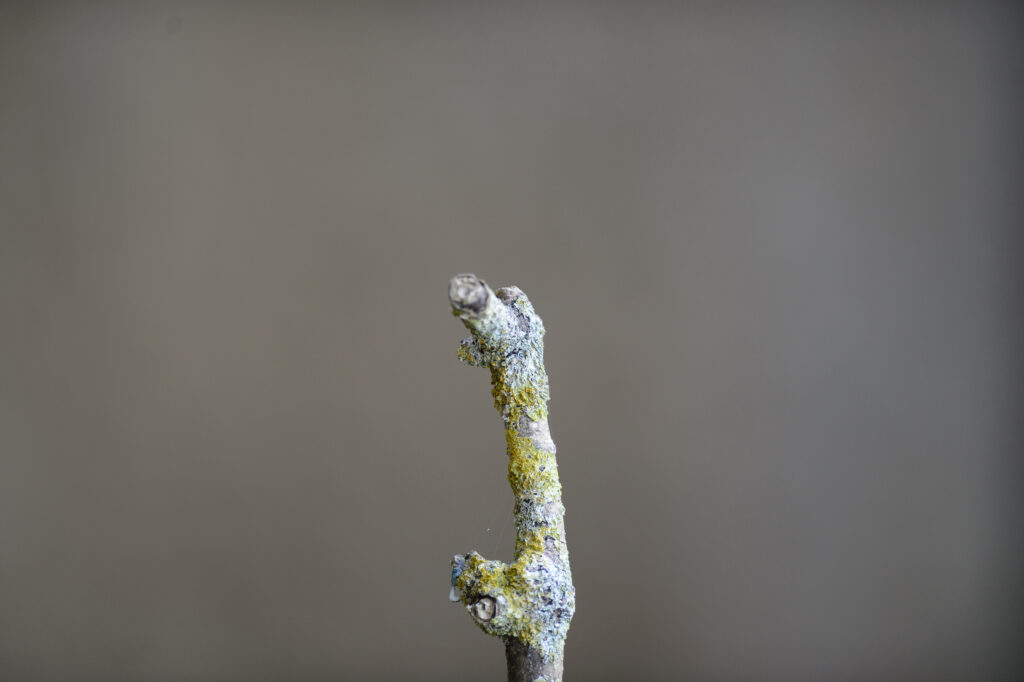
[{"x": 508, "y": 339}]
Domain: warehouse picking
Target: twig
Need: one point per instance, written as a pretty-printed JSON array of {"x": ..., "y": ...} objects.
[{"x": 529, "y": 602}]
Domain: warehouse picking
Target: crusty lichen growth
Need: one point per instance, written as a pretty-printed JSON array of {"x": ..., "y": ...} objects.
[{"x": 532, "y": 599}]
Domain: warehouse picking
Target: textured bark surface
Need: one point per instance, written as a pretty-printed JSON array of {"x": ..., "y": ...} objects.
[{"x": 530, "y": 602}]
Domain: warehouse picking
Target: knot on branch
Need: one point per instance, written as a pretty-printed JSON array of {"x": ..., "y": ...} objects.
[{"x": 531, "y": 600}]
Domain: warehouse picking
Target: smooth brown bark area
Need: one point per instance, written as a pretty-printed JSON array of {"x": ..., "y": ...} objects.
[{"x": 525, "y": 664}]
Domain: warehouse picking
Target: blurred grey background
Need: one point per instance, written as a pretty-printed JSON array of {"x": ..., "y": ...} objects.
[{"x": 776, "y": 248}]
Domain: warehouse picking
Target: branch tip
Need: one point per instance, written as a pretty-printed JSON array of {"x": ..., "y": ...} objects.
[{"x": 468, "y": 294}]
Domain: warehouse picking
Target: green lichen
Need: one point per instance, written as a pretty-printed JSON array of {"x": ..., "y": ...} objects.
[{"x": 531, "y": 470}]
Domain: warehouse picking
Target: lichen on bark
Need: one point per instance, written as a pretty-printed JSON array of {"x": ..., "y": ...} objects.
[{"x": 530, "y": 602}]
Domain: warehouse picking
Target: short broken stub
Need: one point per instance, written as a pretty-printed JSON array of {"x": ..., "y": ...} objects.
[{"x": 485, "y": 609}]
